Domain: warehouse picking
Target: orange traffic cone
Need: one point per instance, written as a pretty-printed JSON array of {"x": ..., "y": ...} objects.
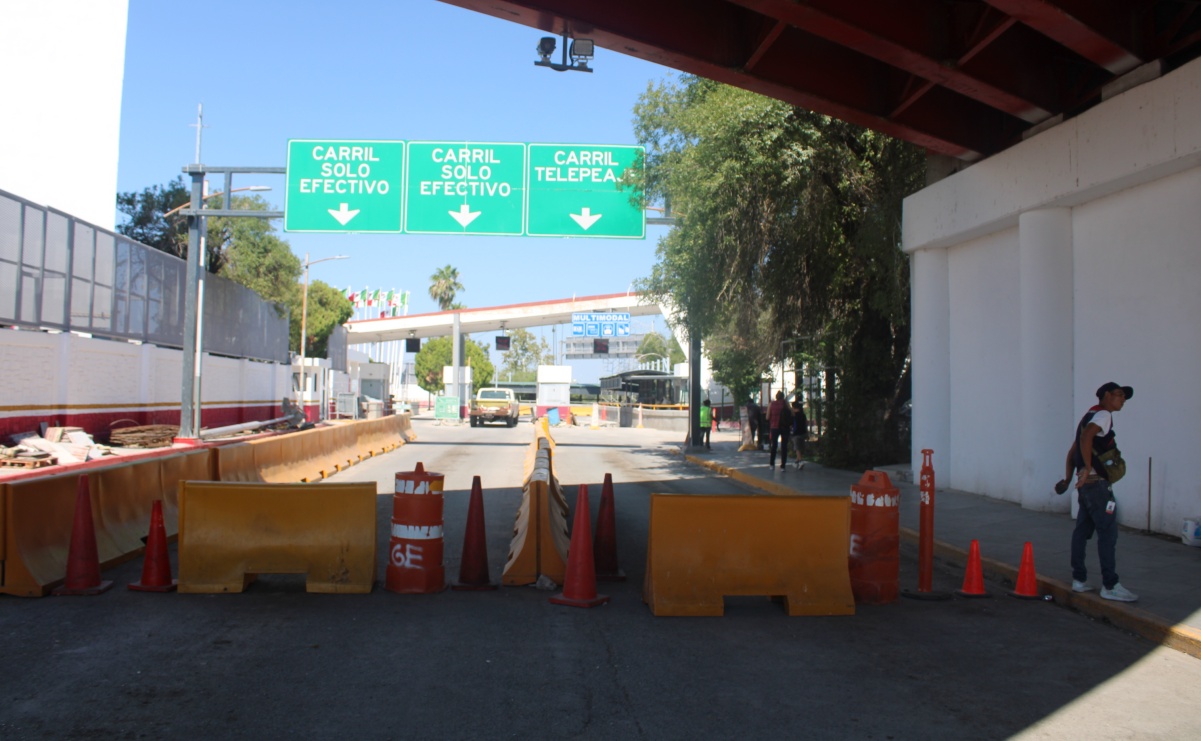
[
  {"x": 473, "y": 568},
  {"x": 83, "y": 560},
  {"x": 1027, "y": 586},
  {"x": 156, "y": 568},
  {"x": 973, "y": 580},
  {"x": 579, "y": 587},
  {"x": 604, "y": 550}
]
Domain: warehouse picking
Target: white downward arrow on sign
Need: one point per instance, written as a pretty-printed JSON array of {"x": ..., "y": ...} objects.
[
  {"x": 585, "y": 218},
  {"x": 342, "y": 214},
  {"x": 464, "y": 215}
]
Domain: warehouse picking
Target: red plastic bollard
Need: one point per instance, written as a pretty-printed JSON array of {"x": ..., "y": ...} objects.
[{"x": 925, "y": 541}]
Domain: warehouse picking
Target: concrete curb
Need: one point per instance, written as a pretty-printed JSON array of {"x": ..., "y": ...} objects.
[{"x": 1123, "y": 615}]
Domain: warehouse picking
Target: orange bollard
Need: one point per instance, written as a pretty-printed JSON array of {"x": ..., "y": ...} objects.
[
  {"x": 604, "y": 551},
  {"x": 973, "y": 578},
  {"x": 156, "y": 568},
  {"x": 925, "y": 540},
  {"x": 874, "y": 559},
  {"x": 83, "y": 558},
  {"x": 415, "y": 551},
  {"x": 473, "y": 567},
  {"x": 1027, "y": 586},
  {"x": 579, "y": 587}
]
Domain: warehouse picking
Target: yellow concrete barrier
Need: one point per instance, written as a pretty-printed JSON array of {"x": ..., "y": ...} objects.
[
  {"x": 703, "y": 548},
  {"x": 230, "y": 532},
  {"x": 235, "y": 462},
  {"x": 344, "y": 449},
  {"x": 122, "y": 496},
  {"x": 39, "y": 515},
  {"x": 540, "y": 540},
  {"x": 196, "y": 465},
  {"x": 406, "y": 427},
  {"x": 283, "y": 459}
]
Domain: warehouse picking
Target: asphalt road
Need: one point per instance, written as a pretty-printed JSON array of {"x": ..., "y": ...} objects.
[{"x": 277, "y": 662}]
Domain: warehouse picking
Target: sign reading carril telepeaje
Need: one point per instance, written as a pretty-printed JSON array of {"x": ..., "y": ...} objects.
[{"x": 479, "y": 188}]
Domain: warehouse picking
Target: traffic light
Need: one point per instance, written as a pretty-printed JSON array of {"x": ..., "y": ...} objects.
[
  {"x": 600, "y": 347},
  {"x": 502, "y": 343}
]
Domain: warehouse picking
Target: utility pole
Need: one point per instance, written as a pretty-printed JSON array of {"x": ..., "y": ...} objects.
[{"x": 199, "y": 125}]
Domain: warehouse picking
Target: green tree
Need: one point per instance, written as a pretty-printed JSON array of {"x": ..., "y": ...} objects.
[
  {"x": 249, "y": 252},
  {"x": 437, "y": 353},
  {"x": 144, "y": 216},
  {"x": 327, "y": 309},
  {"x": 788, "y": 226},
  {"x": 526, "y": 352},
  {"x": 444, "y": 286},
  {"x": 655, "y": 349}
]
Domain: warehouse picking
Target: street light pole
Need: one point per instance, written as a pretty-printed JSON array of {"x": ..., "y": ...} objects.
[{"x": 304, "y": 316}]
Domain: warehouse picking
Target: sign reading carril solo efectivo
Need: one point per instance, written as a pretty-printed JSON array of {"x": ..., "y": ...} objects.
[{"x": 485, "y": 188}]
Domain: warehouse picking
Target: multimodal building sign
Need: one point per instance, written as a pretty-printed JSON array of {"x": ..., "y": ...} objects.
[{"x": 478, "y": 188}]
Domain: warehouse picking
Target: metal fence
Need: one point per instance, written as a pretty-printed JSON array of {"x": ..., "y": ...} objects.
[{"x": 59, "y": 272}]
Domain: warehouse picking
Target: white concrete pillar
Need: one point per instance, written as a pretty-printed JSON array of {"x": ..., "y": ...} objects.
[
  {"x": 930, "y": 297},
  {"x": 1045, "y": 249}
]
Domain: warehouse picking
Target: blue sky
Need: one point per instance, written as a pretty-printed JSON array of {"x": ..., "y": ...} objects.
[{"x": 268, "y": 70}]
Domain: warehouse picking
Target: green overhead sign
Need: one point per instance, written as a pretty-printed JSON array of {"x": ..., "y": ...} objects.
[
  {"x": 485, "y": 188},
  {"x": 576, "y": 191},
  {"x": 343, "y": 186},
  {"x": 465, "y": 188}
]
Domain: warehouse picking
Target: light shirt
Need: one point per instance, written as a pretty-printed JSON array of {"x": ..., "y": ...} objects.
[{"x": 1104, "y": 420}]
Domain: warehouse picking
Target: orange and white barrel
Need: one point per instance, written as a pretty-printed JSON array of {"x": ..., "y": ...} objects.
[
  {"x": 415, "y": 549},
  {"x": 874, "y": 557}
]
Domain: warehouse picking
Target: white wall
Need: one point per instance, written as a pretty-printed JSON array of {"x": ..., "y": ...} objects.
[
  {"x": 1071, "y": 259},
  {"x": 985, "y": 372},
  {"x": 49, "y": 373},
  {"x": 64, "y": 64}
]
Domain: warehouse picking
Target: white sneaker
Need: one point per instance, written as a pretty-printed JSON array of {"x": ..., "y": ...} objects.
[
  {"x": 1080, "y": 586},
  {"x": 1119, "y": 594}
]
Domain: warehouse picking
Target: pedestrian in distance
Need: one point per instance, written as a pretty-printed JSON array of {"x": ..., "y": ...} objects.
[
  {"x": 752, "y": 420},
  {"x": 779, "y": 421},
  {"x": 706, "y": 423},
  {"x": 800, "y": 433},
  {"x": 1098, "y": 464}
]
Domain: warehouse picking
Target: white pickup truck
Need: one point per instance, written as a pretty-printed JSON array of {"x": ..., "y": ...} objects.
[{"x": 495, "y": 405}]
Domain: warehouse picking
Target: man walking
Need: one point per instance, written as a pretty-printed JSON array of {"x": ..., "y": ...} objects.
[
  {"x": 779, "y": 421},
  {"x": 1098, "y": 508},
  {"x": 706, "y": 423}
]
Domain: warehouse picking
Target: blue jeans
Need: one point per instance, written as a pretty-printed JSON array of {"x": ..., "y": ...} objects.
[{"x": 1096, "y": 515}]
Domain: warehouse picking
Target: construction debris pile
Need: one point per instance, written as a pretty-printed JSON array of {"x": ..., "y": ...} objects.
[
  {"x": 54, "y": 446},
  {"x": 144, "y": 436}
]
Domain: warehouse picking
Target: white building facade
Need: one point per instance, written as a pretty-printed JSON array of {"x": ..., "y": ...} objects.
[{"x": 1041, "y": 273}]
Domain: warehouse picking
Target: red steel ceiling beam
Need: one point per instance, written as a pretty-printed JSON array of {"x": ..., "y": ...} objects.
[
  {"x": 1098, "y": 30},
  {"x": 713, "y": 39},
  {"x": 896, "y": 53}
]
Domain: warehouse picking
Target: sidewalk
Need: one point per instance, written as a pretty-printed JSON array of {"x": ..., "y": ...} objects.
[{"x": 1165, "y": 573}]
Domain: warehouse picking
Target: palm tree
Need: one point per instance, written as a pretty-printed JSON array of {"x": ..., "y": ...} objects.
[{"x": 444, "y": 284}]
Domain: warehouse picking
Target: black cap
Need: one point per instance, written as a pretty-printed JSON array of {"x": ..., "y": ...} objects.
[{"x": 1111, "y": 386}]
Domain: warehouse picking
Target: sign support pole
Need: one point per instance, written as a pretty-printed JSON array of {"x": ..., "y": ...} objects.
[{"x": 189, "y": 413}]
